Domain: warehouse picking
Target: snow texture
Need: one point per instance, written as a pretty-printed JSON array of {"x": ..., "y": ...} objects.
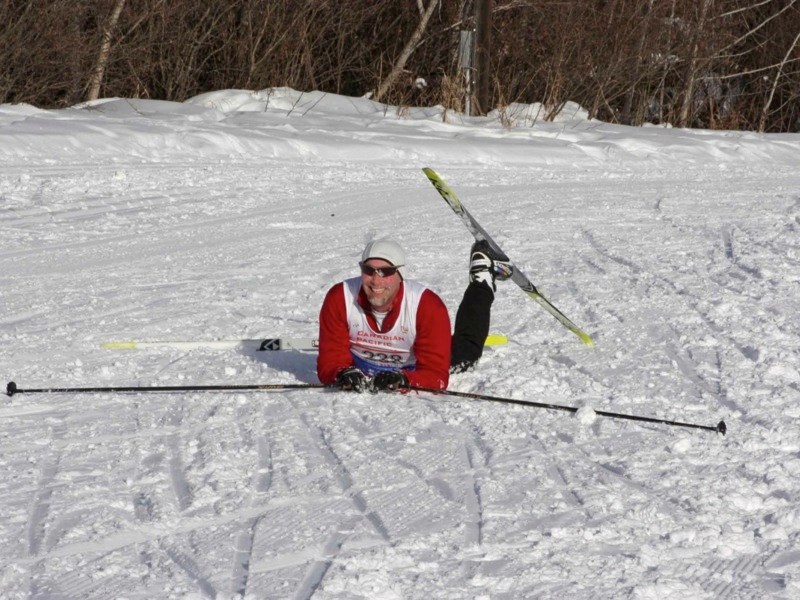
[{"x": 230, "y": 215}]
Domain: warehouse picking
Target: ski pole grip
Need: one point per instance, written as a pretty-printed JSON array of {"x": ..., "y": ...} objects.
[{"x": 11, "y": 388}]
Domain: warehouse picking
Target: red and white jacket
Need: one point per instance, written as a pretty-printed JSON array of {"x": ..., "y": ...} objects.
[{"x": 414, "y": 336}]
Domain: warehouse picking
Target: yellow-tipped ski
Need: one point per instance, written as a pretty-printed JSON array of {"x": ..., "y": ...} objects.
[
  {"x": 268, "y": 344},
  {"x": 517, "y": 276}
]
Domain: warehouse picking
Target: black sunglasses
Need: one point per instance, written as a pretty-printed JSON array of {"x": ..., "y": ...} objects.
[{"x": 379, "y": 271}]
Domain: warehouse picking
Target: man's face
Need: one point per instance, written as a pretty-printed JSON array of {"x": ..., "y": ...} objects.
[{"x": 380, "y": 291}]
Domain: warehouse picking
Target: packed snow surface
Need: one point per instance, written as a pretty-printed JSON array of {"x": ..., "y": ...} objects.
[{"x": 229, "y": 216}]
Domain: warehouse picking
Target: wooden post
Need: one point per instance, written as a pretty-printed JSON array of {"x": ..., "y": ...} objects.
[{"x": 483, "y": 45}]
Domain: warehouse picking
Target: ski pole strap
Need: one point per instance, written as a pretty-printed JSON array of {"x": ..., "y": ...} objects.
[
  {"x": 719, "y": 427},
  {"x": 12, "y": 389}
]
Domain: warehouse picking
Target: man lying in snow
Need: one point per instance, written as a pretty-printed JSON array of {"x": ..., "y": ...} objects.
[{"x": 380, "y": 331}]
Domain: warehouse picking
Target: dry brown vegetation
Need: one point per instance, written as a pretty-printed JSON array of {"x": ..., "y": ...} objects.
[{"x": 731, "y": 64}]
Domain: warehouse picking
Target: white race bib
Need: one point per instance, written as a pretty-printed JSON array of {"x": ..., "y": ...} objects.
[{"x": 375, "y": 351}]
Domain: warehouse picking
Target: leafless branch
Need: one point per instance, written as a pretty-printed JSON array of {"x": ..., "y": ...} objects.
[{"x": 410, "y": 46}]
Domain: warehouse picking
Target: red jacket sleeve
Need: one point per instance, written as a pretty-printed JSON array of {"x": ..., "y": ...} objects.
[
  {"x": 334, "y": 336},
  {"x": 432, "y": 345}
]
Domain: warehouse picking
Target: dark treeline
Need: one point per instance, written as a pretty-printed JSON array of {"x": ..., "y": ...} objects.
[{"x": 732, "y": 64}]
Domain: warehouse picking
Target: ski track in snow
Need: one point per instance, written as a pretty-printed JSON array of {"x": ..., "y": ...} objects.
[{"x": 683, "y": 267}]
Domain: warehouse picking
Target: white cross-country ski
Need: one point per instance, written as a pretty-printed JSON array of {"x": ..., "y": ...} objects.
[
  {"x": 259, "y": 345},
  {"x": 517, "y": 276},
  {"x": 266, "y": 344}
]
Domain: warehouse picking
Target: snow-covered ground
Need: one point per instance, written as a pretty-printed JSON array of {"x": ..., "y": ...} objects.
[{"x": 230, "y": 216}]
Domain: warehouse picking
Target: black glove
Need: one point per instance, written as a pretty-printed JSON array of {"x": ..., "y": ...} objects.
[
  {"x": 389, "y": 380},
  {"x": 351, "y": 379}
]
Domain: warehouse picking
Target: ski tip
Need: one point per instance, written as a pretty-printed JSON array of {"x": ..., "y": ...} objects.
[
  {"x": 587, "y": 339},
  {"x": 118, "y": 345},
  {"x": 11, "y": 388},
  {"x": 722, "y": 428},
  {"x": 496, "y": 339}
]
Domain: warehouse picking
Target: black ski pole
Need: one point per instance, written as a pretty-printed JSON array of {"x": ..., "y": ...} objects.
[
  {"x": 719, "y": 427},
  {"x": 12, "y": 389}
]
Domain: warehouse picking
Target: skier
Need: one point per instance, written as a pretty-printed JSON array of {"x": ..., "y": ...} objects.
[{"x": 397, "y": 331}]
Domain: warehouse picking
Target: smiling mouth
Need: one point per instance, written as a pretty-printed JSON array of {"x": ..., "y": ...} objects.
[{"x": 378, "y": 297}]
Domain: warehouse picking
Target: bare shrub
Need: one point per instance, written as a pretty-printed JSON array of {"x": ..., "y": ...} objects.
[{"x": 695, "y": 63}]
